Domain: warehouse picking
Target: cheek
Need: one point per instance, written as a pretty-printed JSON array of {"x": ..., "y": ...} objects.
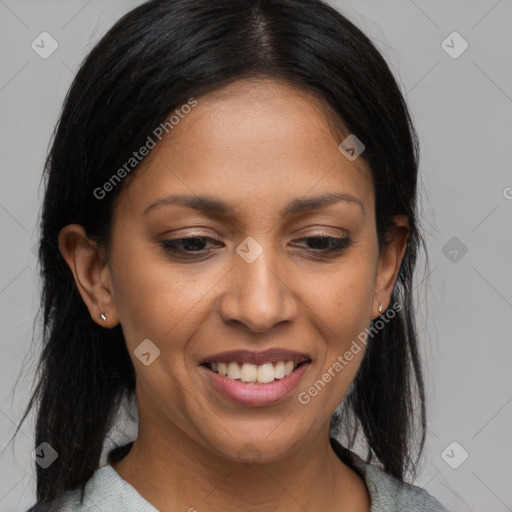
[
  {"x": 156, "y": 299},
  {"x": 350, "y": 297},
  {"x": 159, "y": 304},
  {"x": 345, "y": 312}
]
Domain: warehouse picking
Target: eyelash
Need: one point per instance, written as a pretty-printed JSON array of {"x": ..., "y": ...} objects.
[{"x": 338, "y": 245}]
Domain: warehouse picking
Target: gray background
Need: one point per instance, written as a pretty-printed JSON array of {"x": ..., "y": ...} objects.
[{"x": 462, "y": 109}]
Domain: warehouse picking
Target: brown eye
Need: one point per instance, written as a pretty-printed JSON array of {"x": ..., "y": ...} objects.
[
  {"x": 196, "y": 246},
  {"x": 191, "y": 245},
  {"x": 328, "y": 244}
]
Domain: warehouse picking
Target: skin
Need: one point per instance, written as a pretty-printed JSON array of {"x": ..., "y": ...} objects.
[{"x": 257, "y": 145}]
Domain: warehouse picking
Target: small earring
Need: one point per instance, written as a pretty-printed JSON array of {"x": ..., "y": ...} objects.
[
  {"x": 380, "y": 308},
  {"x": 103, "y": 317}
]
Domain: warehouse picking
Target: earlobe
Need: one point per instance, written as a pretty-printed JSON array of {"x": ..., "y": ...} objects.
[
  {"x": 390, "y": 260},
  {"x": 90, "y": 272}
]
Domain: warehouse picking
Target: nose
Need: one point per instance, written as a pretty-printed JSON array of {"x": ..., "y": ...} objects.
[{"x": 261, "y": 294}]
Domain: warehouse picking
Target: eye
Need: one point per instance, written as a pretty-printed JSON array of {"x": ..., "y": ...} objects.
[
  {"x": 328, "y": 244},
  {"x": 191, "y": 245},
  {"x": 194, "y": 247}
]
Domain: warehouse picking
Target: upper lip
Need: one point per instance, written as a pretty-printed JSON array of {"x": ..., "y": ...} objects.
[{"x": 266, "y": 356}]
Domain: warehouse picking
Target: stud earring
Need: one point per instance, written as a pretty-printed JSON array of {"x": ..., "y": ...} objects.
[
  {"x": 103, "y": 317},
  {"x": 380, "y": 308}
]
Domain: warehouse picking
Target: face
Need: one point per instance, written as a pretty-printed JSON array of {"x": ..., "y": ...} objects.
[{"x": 254, "y": 275}]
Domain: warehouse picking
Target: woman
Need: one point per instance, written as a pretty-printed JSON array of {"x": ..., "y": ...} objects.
[{"x": 229, "y": 235}]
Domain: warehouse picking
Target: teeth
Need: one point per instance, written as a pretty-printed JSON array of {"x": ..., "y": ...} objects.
[
  {"x": 248, "y": 372},
  {"x": 223, "y": 369},
  {"x": 279, "y": 371},
  {"x": 265, "y": 373},
  {"x": 233, "y": 371}
]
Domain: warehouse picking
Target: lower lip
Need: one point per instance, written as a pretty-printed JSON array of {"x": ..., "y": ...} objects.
[{"x": 255, "y": 395}]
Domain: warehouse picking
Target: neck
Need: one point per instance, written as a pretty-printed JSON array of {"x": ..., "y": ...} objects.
[{"x": 174, "y": 472}]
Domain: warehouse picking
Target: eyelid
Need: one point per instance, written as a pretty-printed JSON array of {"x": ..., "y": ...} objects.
[
  {"x": 338, "y": 246},
  {"x": 176, "y": 235},
  {"x": 317, "y": 232},
  {"x": 321, "y": 232}
]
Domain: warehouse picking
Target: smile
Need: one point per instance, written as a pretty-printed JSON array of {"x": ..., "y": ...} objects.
[
  {"x": 247, "y": 372},
  {"x": 255, "y": 385}
]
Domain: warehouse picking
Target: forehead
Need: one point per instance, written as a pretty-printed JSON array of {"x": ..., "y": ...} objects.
[{"x": 257, "y": 142}]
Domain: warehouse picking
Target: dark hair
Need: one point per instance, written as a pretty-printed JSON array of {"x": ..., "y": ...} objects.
[{"x": 153, "y": 60}]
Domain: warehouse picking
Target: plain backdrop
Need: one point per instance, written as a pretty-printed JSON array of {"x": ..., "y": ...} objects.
[{"x": 461, "y": 102}]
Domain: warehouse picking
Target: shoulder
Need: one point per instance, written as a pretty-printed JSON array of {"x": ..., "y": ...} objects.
[
  {"x": 106, "y": 490},
  {"x": 388, "y": 493}
]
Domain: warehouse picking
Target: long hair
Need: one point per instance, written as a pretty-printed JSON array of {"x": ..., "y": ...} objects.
[{"x": 153, "y": 60}]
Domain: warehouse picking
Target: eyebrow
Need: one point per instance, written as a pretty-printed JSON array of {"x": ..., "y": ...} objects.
[{"x": 212, "y": 206}]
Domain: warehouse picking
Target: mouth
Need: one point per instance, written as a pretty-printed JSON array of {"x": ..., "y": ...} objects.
[
  {"x": 250, "y": 373},
  {"x": 252, "y": 385},
  {"x": 255, "y": 379}
]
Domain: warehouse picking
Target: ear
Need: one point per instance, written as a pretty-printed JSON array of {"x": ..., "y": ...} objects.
[
  {"x": 390, "y": 259},
  {"x": 91, "y": 272}
]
